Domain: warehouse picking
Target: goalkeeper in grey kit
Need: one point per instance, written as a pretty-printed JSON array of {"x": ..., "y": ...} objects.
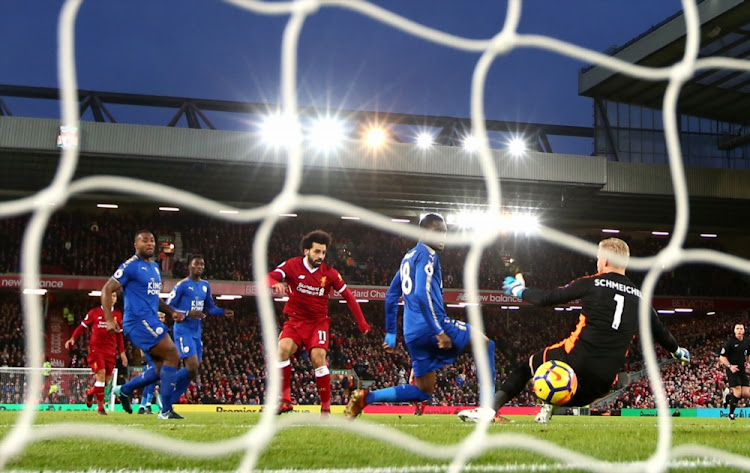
[{"x": 596, "y": 349}]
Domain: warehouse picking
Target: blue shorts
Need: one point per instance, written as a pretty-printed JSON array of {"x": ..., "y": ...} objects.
[
  {"x": 146, "y": 332},
  {"x": 426, "y": 357},
  {"x": 188, "y": 344}
]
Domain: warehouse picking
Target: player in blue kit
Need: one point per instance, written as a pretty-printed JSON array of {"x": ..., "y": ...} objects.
[
  {"x": 432, "y": 338},
  {"x": 149, "y": 392},
  {"x": 140, "y": 280},
  {"x": 147, "y": 395},
  {"x": 192, "y": 296}
]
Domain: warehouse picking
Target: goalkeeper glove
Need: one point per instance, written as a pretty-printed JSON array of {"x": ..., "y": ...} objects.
[
  {"x": 390, "y": 339},
  {"x": 514, "y": 286},
  {"x": 682, "y": 355}
]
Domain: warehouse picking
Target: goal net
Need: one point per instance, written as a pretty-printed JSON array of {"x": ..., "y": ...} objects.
[
  {"x": 257, "y": 439},
  {"x": 63, "y": 389}
]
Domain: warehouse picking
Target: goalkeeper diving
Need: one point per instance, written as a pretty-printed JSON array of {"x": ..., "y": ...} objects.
[{"x": 596, "y": 349}]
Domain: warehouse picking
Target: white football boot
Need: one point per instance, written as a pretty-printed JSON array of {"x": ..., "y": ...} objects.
[
  {"x": 545, "y": 414},
  {"x": 476, "y": 415}
]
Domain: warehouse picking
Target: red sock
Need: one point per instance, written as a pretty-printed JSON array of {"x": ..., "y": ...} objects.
[
  {"x": 99, "y": 393},
  {"x": 90, "y": 391},
  {"x": 324, "y": 391},
  {"x": 286, "y": 383}
]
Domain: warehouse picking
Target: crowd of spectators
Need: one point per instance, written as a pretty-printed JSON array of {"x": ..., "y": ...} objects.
[
  {"x": 94, "y": 244},
  {"x": 234, "y": 372}
]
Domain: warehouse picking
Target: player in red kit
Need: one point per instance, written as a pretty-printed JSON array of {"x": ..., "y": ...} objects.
[
  {"x": 309, "y": 282},
  {"x": 102, "y": 352}
]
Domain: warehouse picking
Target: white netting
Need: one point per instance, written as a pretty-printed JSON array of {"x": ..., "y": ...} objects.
[{"x": 255, "y": 440}]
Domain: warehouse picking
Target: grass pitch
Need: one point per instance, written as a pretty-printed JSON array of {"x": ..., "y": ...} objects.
[{"x": 308, "y": 444}]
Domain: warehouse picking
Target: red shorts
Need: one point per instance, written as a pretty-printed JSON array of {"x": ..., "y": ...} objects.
[
  {"x": 308, "y": 333},
  {"x": 100, "y": 361}
]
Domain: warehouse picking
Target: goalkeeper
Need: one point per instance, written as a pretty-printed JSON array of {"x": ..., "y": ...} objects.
[{"x": 597, "y": 347}]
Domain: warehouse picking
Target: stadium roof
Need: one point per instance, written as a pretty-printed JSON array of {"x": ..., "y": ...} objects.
[
  {"x": 718, "y": 94},
  {"x": 402, "y": 181}
]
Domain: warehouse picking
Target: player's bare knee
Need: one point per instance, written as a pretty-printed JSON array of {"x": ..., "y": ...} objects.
[{"x": 318, "y": 358}]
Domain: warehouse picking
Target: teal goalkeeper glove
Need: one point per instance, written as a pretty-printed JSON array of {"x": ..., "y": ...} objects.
[
  {"x": 682, "y": 355},
  {"x": 514, "y": 286}
]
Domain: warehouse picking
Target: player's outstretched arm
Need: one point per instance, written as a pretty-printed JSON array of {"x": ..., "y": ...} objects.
[
  {"x": 351, "y": 301},
  {"x": 665, "y": 338},
  {"x": 176, "y": 315},
  {"x": 391, "y": 310},
  {"x": 211, "y": 308},
  {"x": 71, "y": 342},
  {"x": 110, "y": 287},
  {"x": 545, "y": 297}
]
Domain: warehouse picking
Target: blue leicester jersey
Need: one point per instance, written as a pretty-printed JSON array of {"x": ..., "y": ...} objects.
[
  {"x": 420, "y": 281},
  {"x": 190, "y": 295},
  {"x": 141, "y": 285}
]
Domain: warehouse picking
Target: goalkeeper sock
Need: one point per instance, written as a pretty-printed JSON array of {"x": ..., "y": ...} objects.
[
  {"x": 402, "y": 393},
  {"x": 138, "y": 382},
  {"x": 512, "y": 387},
  {"x": 286, "y": 380},
  {"x": 99, "y": 394},
  {"x": 493, "y": 371},
  {"x": 182, "y": 381},
  {"x": 323, "y": 381}
]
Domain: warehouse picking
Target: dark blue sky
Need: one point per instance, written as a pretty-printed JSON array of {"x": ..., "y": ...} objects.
[{"x": 208, "y": 49}]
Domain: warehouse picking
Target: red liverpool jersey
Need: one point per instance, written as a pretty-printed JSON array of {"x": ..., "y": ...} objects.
[
  {"x": 308, "y": 288},
  {"x": 101, "y": 340}
]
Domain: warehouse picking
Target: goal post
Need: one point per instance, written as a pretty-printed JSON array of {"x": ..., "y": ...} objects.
[{"x": 63, "y": 389}]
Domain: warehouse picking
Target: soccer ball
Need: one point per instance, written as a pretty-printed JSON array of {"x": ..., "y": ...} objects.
[{"x": 555, "y": 382}]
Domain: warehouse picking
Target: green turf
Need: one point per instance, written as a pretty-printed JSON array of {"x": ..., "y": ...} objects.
[{"x": 308, "y": 445}]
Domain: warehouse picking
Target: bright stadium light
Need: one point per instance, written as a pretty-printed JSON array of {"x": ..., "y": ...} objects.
[
  {"x": 424, "y": 140},
  {"x": 36, "y": 292},
  {"x": 709, "y": 235},
  {"x": 471, "y": 144},
  {"x": 277, "y": 130},
  {"x": 107, "y": 206},
  {"x": 327, "y": 134},
  {"x": 520, "y": 223},
  {"x": 660, "y": 233},
  {"x": 169, "y": 209},
  {"x": 517, "y": 147},
  {"x": 610, "y": 230},
  {"x": 375, "y": 137}
]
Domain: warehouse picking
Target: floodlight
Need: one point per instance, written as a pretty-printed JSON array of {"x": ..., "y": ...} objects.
[
  {"x": 517, "y": 147},
  {"x": 327, "y": 134},
  {"x": 424, "y": 140},
  {"x": 471, "y": 144},
  {"x": 277, "y": 130},
  {"x": 375, "y": 137}
]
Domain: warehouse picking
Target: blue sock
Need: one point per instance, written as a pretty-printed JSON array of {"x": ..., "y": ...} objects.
[
  {"x": 168, "y": 381},
  {"x": 493, "y": 371},
  {"x": 182, "y": 381},
  {"x": 402, "y": 393},
  {"x": 149, "y": 377},
  {"x": 148, "y": 393}
]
